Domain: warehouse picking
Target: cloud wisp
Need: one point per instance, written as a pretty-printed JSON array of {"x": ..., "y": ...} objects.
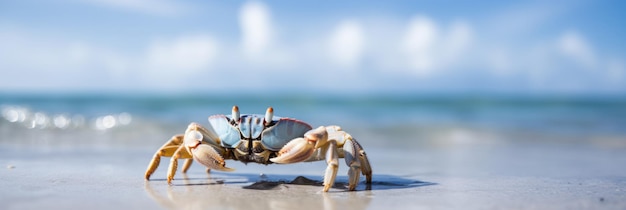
[
  {"x": 357, "y": 53},
  {"x": 149, "y": 7},
  {"x": 346, "y": 44},
  {"x": 183, "y": 55}
]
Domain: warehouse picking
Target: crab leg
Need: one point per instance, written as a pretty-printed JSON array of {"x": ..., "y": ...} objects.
[
  {"x": 187, "y": 164},
  {"x": 181, "y": 152},
  {"x": 352, "y": 161},
  {"x": 332, "y": 160},
  {"x": 366, "y": 168},
  {"x": 354, "y": 155},
  {"x": 166, "y": 150}
]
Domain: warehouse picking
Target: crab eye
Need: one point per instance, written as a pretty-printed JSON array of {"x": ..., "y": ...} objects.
[
  {"x": 235, "y": 114},
  {"x": 269, "y": 114}
]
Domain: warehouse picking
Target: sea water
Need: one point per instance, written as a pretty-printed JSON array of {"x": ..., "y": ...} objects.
[{"x": 380, "y": 120}]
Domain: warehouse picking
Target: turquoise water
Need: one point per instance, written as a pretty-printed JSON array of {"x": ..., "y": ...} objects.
[{"x": 395, "y": 118}]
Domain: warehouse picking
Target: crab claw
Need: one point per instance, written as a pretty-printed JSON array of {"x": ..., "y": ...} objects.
[
  {"x": 301, "y": 149},
  {"x": 296, "y": 150},
  {"x": 208, "y": 156},
  {"x": 192, "y": 138}
]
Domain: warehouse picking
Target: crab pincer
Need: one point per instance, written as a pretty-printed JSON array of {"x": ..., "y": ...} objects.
[
  {"x": 304, "y": 149},
  {"x": 301, "y": 149},
  {"x": 204, "y": 153},
  {"x": 208, "y": 157}
]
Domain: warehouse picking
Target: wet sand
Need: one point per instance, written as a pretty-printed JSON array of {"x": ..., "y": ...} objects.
[{"x": 466, "y": 177}]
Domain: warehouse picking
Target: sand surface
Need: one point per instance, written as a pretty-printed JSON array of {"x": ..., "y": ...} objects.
[{"x": 496, "y": 177}]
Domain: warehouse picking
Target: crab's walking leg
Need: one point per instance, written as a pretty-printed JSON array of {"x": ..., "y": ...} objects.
[
  {"x": 332, "y": 159},
  {"x": 366, "y": 168},
  {"x": 353, "y": 162},
  {"x": 181, "y": 152},
  {"x": 166, "y": 150},
  {"x": 354, "y": 155},
  {"x": 187, "y": 164}
]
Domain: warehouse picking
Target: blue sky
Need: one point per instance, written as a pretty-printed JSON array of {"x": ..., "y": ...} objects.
[{"x": 536, "y": 47}]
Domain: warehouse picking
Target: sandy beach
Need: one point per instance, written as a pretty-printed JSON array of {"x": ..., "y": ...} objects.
[{"x": 524, "y": 177}]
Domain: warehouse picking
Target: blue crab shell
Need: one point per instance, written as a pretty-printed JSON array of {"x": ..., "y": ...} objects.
[{"x": 273, "y": 136}]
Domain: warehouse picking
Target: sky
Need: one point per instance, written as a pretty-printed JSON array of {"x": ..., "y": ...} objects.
[{"x": 501, "y": 47}]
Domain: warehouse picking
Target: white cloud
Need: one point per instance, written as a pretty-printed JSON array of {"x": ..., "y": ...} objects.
[
  {"x": 428, "y": 49},
  {"x": 79, "y": 52},
  {"x": 499, "y": 61},
  {"x": 183, "y": 55},
  {"x": 457, "y": 41},
  {"x": 117, "y": 66},
  {"x": 258, "y": 49},
  {"x": 616, "y": 72},
  {"x": 346, "y": 44},
  {"x": 574, "y": 45},
  {"x": 256, "y": 28},
  {"x": 419, "y": 44},
  {"x": 66, "y": 64},
  {"x": 431, "y": 50},
  {"x": 153, "y": 7},
  {"x": 31, "y": 52},
  {"x": 520, "y": 20},
  {"x": 31, "y": 61}
]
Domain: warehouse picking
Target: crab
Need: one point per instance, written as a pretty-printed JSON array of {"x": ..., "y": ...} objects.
[{"x": 265, "y": 140}]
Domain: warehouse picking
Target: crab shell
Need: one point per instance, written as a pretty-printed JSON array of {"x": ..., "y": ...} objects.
[{"x": 254, "y": 138}]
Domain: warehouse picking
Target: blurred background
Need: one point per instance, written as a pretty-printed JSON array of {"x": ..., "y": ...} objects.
[
  {"x": 312, "y": 47},
  {"x": 426, "y": 76},
  {"x": 482, "y": 102}
]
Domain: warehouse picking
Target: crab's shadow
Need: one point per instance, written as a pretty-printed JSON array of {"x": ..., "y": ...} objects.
[{"x": 271, "y": 181}]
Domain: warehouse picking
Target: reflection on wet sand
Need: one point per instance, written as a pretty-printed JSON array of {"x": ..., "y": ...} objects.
[{"x": 247, "y": 191}]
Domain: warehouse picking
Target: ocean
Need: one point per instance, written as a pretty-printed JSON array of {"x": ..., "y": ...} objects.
[{"x": 381, "y": 120}]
